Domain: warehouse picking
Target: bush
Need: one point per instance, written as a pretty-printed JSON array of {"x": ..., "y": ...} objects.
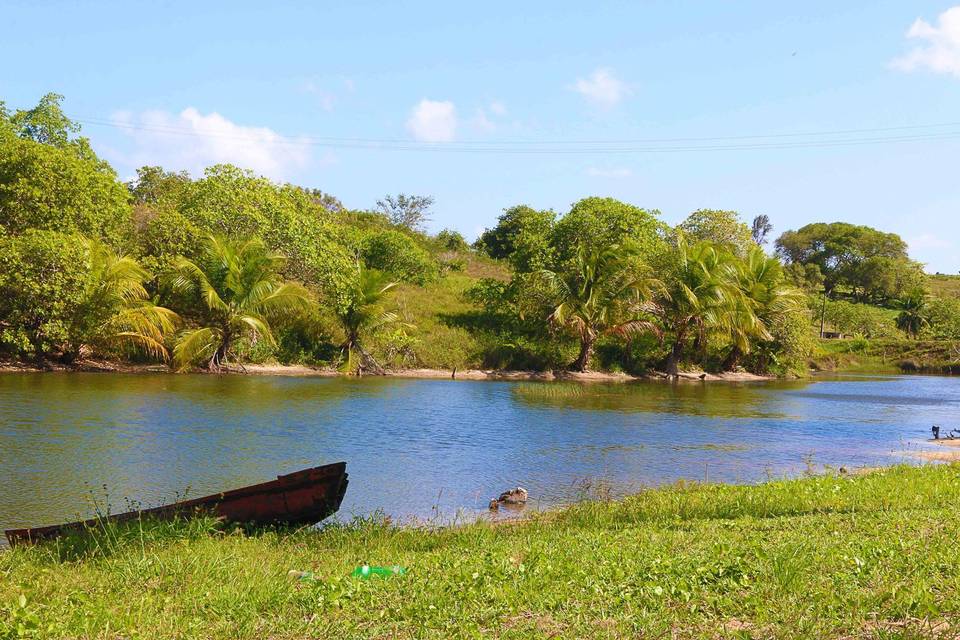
[
  {"x": 42, "y": 283},
  {"x": 45, "y": 187},
  {"x": 866, "y": 320},
  {"x": 452, "y": 241},
  {"x": 399, "y": 255}
]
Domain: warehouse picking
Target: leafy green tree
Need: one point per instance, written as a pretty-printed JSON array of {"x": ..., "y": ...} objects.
[
  {"x": 860, "y": 319},
  {"x": 606, "y": 291},
  {"x": 944, "y": 319},
  {"x": 364, "y": 315},
  {"x": 236, "y": 204},
  {"x": 237, "y": 289},
  {"x": 42, "y": 279},
  {"x": 804, "y": 276},
  {"x": 914, "y": 315},
  {"x": 155, "y": 187},
  {"x": 522, "y": 236},
  {"x": 116, "y": 312},
  {"x": 45, "y": 187},
  {"x": 399, "y": 255},
  {"x": 701, "y": 295},
  {"x": 765, "y": 301},
  {"x": 607, "y": 222},
  {"x": 411, "y": 212},
  {"x": 723, "y": 228},
  {"x": 451, "y": 240},
  {"x": 858, "y": 257},
  {"x": 65, "y": 296},
  {"x": 46, "y": 123}
]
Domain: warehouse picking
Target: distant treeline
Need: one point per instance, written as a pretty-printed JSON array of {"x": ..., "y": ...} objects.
[{"x": 232, "y": 267}]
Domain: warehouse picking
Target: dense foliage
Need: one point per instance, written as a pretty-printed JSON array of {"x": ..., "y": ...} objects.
[{"x": 230, "y": 267}]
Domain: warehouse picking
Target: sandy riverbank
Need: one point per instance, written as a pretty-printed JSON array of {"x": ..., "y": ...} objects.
[{"x": 436, "y": 374}]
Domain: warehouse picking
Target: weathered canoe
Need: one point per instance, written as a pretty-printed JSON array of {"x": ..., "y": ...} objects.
[{"x": 299, "y": 498}]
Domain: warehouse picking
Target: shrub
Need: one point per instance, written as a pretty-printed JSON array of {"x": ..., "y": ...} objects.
[
  {"x": 399, "y": 255},
  {"x": 42, "y": 280}
]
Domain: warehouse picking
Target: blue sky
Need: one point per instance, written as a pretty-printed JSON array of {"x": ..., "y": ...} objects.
[{"x": 266, "y": 85}]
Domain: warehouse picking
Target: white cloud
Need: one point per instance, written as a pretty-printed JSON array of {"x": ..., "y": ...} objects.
[
  {"x": 599, "y": 172},
  {"x": 602, "y": 88},
  {"x": 193, "y": 141},
  {"x": 486, "y": 117},
  {"x": 928, "y": 241},
  {"x": 433, "y": 121},
  {"x": 941, "y": 51}
]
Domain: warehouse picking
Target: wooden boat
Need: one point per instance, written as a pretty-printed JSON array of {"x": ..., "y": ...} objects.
[{"x": 299, "y": 498}]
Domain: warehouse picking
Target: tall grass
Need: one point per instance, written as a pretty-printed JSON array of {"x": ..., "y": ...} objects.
[{"x": 831, "y": 556}]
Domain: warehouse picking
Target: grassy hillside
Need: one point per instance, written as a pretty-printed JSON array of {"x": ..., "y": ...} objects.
[
  {"x": 827, "y": 557},
  {"x": 944, "y": 286}
]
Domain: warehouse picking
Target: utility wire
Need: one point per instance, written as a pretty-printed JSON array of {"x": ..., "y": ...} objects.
[{"x": 820, "y": 139}]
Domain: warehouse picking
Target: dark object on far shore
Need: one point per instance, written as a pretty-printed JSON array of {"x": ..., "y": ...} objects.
[
  {"x": 936, "y": 431},
  {"x": 299, "y": 498}
]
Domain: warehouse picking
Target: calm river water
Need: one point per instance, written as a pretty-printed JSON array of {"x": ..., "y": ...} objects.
[{"x": 428, "y": 448}]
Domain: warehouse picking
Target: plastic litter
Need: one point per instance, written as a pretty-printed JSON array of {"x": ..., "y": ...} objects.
[{"x": 366, "y": 572}]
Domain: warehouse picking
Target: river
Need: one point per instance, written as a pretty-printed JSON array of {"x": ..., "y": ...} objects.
[{"x": 435, "y": 448}]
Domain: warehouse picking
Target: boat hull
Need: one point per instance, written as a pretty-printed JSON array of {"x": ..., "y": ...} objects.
[{"x": 299, "y": 498}]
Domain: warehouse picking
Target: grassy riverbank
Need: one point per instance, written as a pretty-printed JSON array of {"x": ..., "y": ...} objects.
[
  {"x": 867, "y": 556},
  {"x": 893, "y": 356}
]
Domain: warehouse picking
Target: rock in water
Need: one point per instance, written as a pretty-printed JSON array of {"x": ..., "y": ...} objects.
[
  {"x": 494, "y": 505},
  {"x": 517, "y": 495}
]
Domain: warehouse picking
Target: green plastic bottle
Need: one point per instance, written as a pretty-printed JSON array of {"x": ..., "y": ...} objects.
[{"x": 366, "y": 572}]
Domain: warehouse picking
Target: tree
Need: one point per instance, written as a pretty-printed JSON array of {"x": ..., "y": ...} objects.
[
  {"x": 363, "y": 315},
  {"x": 45, "y": 187},
  {"x": 605, "y": 292},
  {"x": 701, "y": 291},
  {"x": 237, "y": 290},
  {"x": 765, "y": 301},
  {"x": 116, "y": 312},
  {"x": 760, "y": 229},
  {"x": 412, "y": 212},
  {"x": 522, "y": 236},
  {"x": 451, "y": 240},
  {"x": 607, "y": 222},
  {"x": 854, "y": 256},
  {"x": 236, "y": 204},
  {"x": 42, "y": 279},
  {"x": 154, "y": 186},
  {"x": 399, "y": 255},
  {"x": 45, "y": 123},
  {"x": 914, "y": 315},
  {"x": 63, "y": 295},
  {"x": 723, "y": 228}
]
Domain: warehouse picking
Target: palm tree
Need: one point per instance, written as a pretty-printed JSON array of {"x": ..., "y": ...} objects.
[
  {"x": 116, "y": 311},
  {"x": 604, "y": 292},
  {"x": 913, "y": 315},
  {"x": 362, "y": 315},
  {"x": 764, "y": 302},
  {"x": 238, "y": 288},
  {"x": 700, "y": 295}
]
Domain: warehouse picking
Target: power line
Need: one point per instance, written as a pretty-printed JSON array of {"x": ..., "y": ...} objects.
[{"x": 818, "y": 139}]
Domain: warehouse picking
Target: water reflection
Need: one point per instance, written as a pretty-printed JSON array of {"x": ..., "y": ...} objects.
[{"x": 418, "y": 446}]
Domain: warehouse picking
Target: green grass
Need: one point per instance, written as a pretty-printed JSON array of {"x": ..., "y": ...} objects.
[
  {"x": 944, "y": 286},
  {"x": 825, "y": 557},
  {"x": 888, "y": 356}
]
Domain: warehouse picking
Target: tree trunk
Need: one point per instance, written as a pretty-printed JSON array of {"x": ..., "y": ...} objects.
[
  {"x": 732, "y": 361},
  {"x": 582, "y": 363},
  {"x": 673, "y": 359},
  {"x": 672, "y": 362},
  {"x": 220, "y": 355}
]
